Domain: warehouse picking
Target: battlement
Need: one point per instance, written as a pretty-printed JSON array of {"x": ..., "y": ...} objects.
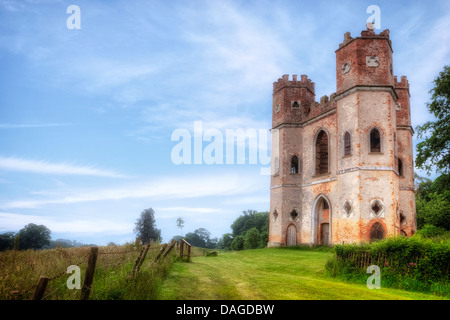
[
  {"x": 402, "y": 84},
  {"x": 284, "y": 81},
  {"x": 369, "y": 33}
]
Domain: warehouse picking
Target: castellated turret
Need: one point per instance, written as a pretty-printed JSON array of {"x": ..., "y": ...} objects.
[{"x": 342, "y": 167}]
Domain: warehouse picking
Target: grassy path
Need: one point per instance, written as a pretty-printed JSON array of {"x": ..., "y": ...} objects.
[{"x": 266, "y": 274}]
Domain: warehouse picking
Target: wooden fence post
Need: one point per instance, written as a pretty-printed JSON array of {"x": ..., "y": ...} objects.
[
  {"x": 143, "y": 258},
  {"x": 40, "y": 289},
  {"x": 163, "y": 247},
  {"x": 136, "y": 263},
  {"x": 89, "y": 276},
  {"x": 170, "y": 248}
]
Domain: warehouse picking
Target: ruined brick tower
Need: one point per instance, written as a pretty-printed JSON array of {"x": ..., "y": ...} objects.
[{"x": 342, "y": 169}]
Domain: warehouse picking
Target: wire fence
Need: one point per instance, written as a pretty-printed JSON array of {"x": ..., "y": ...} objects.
[{"x": 107, "y": 257}]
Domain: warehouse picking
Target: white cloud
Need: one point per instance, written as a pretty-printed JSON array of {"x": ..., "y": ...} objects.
[
  {"x": 43, "y": 167},
  {"x": 16, "y": 221},
  {"x": 160, "y": 189}
]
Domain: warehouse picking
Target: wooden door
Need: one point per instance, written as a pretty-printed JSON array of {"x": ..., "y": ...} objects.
[
  {"x": 291, "y": 236},
  {"x": 325, "y": 233}
]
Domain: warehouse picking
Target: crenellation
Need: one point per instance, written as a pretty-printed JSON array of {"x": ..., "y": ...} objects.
[
  {"x": 285, "y": 82},
  {"x": 345, "y": 184}
]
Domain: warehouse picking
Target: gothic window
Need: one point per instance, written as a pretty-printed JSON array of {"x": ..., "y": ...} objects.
[
  {"x": 348, "y": 207},
  {"x": 347, "y": 144},
  {"x": 322, "y": 153},
  {"x": 376, "y": 206},
  {"x": 294, "y": 214},
  {"x": 375, "y": 140},
  {"x": 376, "y": 232},
  {"x": 275, "y": 215},
  {"x": 402, "y": 218},
  {"x": 295, "y": 105},
  {"x": 400, "y": 167},
  {"x": 294, "y": 165}
]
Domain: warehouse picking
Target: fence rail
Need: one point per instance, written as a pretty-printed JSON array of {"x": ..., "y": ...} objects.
[
  {"x": 90, "y": 260},
  {"x": 38, "y": 291}
]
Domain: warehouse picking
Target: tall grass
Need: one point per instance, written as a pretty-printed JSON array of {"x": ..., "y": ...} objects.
[{"x": 20, "y": 272}]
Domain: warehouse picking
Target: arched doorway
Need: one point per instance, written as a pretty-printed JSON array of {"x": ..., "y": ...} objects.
[
  {"x": 321, "y": 221},
  {"x": 291, "y": 235},
  {"x": 377, "y": 232}
]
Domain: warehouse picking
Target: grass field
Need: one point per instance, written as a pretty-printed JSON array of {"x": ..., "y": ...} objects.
[
  {"x": 270, "y": 273},
  {"x": 20, "y": 272}
]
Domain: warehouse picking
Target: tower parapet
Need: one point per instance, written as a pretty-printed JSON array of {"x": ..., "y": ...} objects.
[{"x": 284, "y": 81}]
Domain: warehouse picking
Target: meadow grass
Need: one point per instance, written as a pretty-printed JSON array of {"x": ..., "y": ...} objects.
[
  {"x": 20, "y": 272},
  {"x": 267, "y": 274}
]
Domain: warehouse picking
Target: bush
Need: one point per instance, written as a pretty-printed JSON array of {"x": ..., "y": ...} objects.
[
  {"x": 415, "y": 263},
  {"x": 252, "y": 239},
  {"x": 429, "y": 231},
  {"x": 238, "y": 243}
]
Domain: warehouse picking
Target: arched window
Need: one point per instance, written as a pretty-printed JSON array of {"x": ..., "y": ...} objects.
[
  {"x": 347, "y": 144},
  {"x": 376, "y": 232},
  {"x": 322, "y": 153},
  {"x": 400, "y": 167},
  {"x": 294, "y": 165},
  {"x": 375, "y": 140}
]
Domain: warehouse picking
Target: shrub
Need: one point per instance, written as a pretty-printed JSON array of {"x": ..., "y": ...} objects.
[
  {"x": 252, "y": 239},
  {"x": 238, "y": 243},
  {"x": 429, "y": 231},
  {"x": 415, "y": 263}
]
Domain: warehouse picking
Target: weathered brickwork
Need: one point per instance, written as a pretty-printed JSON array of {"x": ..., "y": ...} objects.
[{"x": 342, "y": 168}]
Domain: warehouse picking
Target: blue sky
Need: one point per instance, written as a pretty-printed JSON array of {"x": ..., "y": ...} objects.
[{"x": 87, "y": 115}]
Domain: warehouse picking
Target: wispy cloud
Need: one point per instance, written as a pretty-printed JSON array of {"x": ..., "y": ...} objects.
[
  {"x": 16, "y": 221},
  {"x": 43, "y": 167},
  {"x": 160, "y": 189}
]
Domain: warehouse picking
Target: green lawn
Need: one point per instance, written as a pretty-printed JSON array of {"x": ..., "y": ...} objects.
[{"x": 267, "y": 274}]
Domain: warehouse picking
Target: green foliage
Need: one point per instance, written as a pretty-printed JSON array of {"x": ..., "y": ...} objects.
[
  {"x": 436, "y": 211},
  {"x": 250, "y": 219},
  {"x": 225, "y": 241},
  {"x": 415, "y": 263},
  {"x": 145, "y": 227},
  {"x": 252, "y": 239},
  {"x": 434, "y": 150},
  {"x": 201, "y": 238},
  {"x": 7, "y": 241},
  {"x": 429, "y": 231},
  {"x": 433, "y": 201},
  {"x": 238, "y": 243},
  {"x": 33, "y": 236},
  {"x": 250, "y": 231}
]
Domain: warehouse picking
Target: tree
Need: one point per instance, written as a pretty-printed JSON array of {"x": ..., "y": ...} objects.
[
  {"x": 238, "y": 243},
  {"x": 180, "y": 224},
  {"x": 250, "y": 219},
  {"x": 225, "y": 241},
  {"x": 434, "y": 151},
  {"x": 145, "y": 227},
  {"x": 6, "y": 241},
  {"x": 33, "y": 236},
  {"x": 201, "y": 238},
  {"x": 433, "y": 202},
  {"x": 252, "y": 239}
]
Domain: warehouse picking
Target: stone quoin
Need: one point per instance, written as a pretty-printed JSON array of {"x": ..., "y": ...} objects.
[{"x": 342, "y": 168}]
